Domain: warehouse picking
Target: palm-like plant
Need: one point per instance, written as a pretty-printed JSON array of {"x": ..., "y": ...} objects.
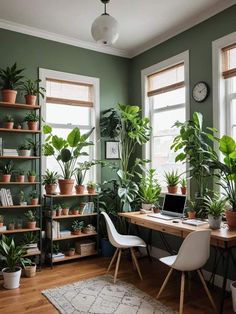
[
  {"x": 82, "y": 169},
  {"x": 32, "y": 88},
  {"x": 172, "y": 178},
  {"x": 215, "y": 205},
  {"x": 10, "y": 77},
  {"x": 149, "y": 188},
  {"x": 50, "y": 177}
]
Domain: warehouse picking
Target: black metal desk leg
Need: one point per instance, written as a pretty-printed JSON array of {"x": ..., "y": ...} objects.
[{"x": 228, "y": 251}]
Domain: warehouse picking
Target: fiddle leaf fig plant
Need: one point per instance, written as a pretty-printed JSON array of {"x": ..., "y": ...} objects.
[{"x": 66, "y": 151}]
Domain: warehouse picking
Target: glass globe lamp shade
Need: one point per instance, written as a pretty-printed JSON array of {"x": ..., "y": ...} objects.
[{"x": 105, "y": 29}]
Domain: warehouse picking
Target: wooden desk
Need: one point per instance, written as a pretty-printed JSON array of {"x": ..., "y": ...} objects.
[{"x": 223, "y": 238}]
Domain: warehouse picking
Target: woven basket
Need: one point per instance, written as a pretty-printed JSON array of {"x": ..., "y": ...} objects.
[{"x": 85, "y": 247}]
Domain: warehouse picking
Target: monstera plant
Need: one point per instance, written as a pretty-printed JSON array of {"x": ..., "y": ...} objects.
[{"x": 66, "y": 152}]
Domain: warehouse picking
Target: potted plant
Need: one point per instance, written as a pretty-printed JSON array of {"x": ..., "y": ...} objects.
[
  {"x": 58, "y": 209},
  {"x": 183, "y": 187},
  {"x": 91, "y": 187},
  {"x": 34, "y": 197},
  {"x": 70, "y": 251},
  {"x": 89, "y": 229},
  {"x": 21, "y": 198},
  {"x": 50, "y": 180},
  {"x": 65, "y": 209},
  {"x": 18, "y": 126},
  {"x": 19, "y": 223},
  {"x": 11, "y": 225},
  {"x": 13, "y": 256},
  {"x": 81, "y": 173},
  {"x": 215, "y": 207},
  {"x": 32, "y": 119},
  {"x": 32, "y": 90},
  {"x": 192, "y": 209},
  {"x": 7, "y": 170},
  {"x": 31, "y": 217},
  {"x": 75, "y": 211},
  {"x": 1, "y": 220},
  {"x": 8, "y": 122},
  {"x": 10, "y": 80},
  {"x": 20, "y": 177},
  {"x": 149, "y": 189},
  {"x": 77, "y": 227},
  {"x": 66, "y": 151},
  {"x": 24, "y": 150},
  {"x": 225, "y": 171},
  {"x": 52, "y": 212},
  {"x": 31, "y": 174},
  {"x": 172, "y": 180}
]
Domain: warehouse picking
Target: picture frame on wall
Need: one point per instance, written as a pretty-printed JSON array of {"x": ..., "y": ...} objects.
[{"x": 112, "y": 150}]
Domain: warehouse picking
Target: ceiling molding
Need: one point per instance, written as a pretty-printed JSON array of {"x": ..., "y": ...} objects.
[
  {"x": 36, "y": 32},
  {"x": 187, "y": 25}
]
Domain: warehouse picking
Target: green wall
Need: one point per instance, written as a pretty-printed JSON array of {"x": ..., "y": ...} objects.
[{"x": 32, "y": 53}]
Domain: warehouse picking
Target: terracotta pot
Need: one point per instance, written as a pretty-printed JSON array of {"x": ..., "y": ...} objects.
[
  {"x": 65, "y": 211},
  {"x": 77, "y": 232},
  {"x": 66, "y": 186},
  {"x": 30, "y": 271},
  {"x": 31, "y": 224},
  {"x": 30, "y": 100},
  {"x": 191, "y": 215},
  {"x": 9, "y": 95},
  {"x": 79, "y": 189},
  {"x": 59, "y": 212},
  {"x": 52, "y": 213},
  {"x": 183, "y": 190},
  {"x": 75, "y": 212},
  {"x": 1, "y": 224},
  {"x": 6, "y": 178},
  {"x": 50, "y": 188},
  {"x": 172, "y": 189},
  {"x": 91, "y": 190},
  {"x": 33, "y": 125},
  {"x": 11, "y": 226},
  {"x": 31, "y": 179},
  {"x": 70, "y": 253},
  {"x": 8, "y": 125},
  {"x": 20, "y": 179},
  {"x": 34, "y": 201},
  {"x": 231, "y": 219},
  {"x": 156, "y": 210}
]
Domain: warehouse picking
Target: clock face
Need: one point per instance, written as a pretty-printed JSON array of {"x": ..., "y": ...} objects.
[{"x": 200, "y": 91}]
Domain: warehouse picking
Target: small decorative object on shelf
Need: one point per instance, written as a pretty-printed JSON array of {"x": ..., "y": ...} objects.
[
  {"x": 50, "y": 181},
  {"x": 8, "y": 122},
  {"x": 32, "y": 90},
  {"x": 89, "y": 229},
  {"x": 31, "y": 176},
  {"x": 31, "y": 219},
  {"x": 32, "y": 119},
  {"x": 70, "y": 251},
  {"x": 91, "y": 187}
]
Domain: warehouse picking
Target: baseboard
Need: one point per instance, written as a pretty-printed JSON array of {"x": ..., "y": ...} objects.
[{"x": 158, "y": 253}]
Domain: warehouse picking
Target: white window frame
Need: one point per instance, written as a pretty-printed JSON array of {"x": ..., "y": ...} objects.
[
  {"x": 182, "y": 57},
  {"x": 46, "y": 74}
]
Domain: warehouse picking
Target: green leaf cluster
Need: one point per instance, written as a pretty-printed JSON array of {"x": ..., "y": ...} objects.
[
  {"x": 10, "y": 77},
  {"x": 149, "y": 188},
  {"x": 31, "y": 87},
  {"x": 172, "y": 178},
  {"x": 215, "y": 205}
]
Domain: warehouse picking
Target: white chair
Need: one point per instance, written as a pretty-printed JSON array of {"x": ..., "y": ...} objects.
[
  {"x": 193, "y": 254},
  {"x": 122, "y": 242}
]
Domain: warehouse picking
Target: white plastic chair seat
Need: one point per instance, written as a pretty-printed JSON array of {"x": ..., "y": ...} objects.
[
  {"x": 128, "y": 241},
  {"x": 168, "y": 260}
]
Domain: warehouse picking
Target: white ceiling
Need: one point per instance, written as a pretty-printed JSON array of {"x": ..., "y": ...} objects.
[{"x": 143, "y": 23}]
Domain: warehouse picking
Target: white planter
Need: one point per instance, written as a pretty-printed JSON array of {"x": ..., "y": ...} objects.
[
  {"x": 11, "y": 280},
  {"x": 214, "y": 222},
  {"x": 25, "y": 152},
  {"x": 233, "y": 289},
  {"x": 146, "y": 206}
]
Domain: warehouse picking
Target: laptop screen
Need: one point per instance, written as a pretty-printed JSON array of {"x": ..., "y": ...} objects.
[{"x": 174, "y": 204}]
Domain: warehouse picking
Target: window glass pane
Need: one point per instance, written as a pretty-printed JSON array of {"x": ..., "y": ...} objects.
[
  {"x": 163, "y": 121},
  {"x": 232, "y": 58},
  {"x": 64, "y": 114},
  {"x": 68, "y": 91},
  {"x": 166, "y": 77},
  {"x": 174, "y": 97},
  {"x": 233, "y": 80}
]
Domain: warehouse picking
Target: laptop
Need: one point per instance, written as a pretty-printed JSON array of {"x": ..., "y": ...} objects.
[{"x": 173, "y": 207}]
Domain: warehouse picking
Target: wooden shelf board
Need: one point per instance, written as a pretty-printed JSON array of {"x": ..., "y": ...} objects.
[
  {"x": 76, "y": 256},
  {"x": 83, "y": 235},
  {"x": 19, "y": 157},
  {"x": 19, "y": 230},
  {"x": 19, "y": 183},
  {"x": 18, "y": 106},
  {"x": 21, "y": 206},
  {"x": 18, "y": 130},
  {"x": 72, "y": 216},
  {"x": 69, "y": 195},
  {"x": 32, "y": 254}
]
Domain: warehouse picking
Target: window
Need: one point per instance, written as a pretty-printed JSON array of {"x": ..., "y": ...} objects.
[
  {"x": 166, "y": 97},
  {"x": 71, "y": 101}
]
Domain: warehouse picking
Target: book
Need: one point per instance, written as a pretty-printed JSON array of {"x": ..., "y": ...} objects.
[
  {"x": 194, "y": 222},
  {"x": 32, "y": 251},
  {"x": 9, "y": 197}
]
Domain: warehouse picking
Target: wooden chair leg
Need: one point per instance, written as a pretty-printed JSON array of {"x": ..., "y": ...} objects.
[
  {"x": 112, "y": 260},
  {"x": 136, "y": 262},
  {"x": 164, "y": 283},
  {"x": 117, "y": 265},
  {"x": 207, "y": 290},
  {"x": 181, "y": 303}
]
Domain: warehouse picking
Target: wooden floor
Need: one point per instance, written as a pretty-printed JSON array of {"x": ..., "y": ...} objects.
[{"x": 28, "y": 298}]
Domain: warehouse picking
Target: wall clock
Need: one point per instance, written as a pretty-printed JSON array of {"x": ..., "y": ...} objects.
[{"x": 200, "y": 91}]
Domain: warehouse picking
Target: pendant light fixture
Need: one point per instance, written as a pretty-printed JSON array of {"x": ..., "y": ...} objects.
[{"x": 105, "y": 29}]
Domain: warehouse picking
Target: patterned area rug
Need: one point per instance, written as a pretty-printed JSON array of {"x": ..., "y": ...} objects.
[{"x": 101, "y": 296}]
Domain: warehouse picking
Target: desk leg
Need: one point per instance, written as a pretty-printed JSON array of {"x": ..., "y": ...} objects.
[
  {"x": 228, "y": 252},
  {"x": 148, "y": 242}
]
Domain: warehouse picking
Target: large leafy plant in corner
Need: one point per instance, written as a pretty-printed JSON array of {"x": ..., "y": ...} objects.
[
  {"x": 66, "y": 151},
  {"x": 194, "y": 147},
  {"x": 125, "y": 125}
]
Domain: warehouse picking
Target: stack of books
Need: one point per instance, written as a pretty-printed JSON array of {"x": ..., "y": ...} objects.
[
  {"x": 88, "y": 208},
  {"x": 57, "y": 256},
  {"x": 10, "y": 152},
  {"x": 6, "y": 197},
  {"x": 31, "y": 248},
  {"x": 55, "y": 230},
  {"x": 65, "y": 233}
]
